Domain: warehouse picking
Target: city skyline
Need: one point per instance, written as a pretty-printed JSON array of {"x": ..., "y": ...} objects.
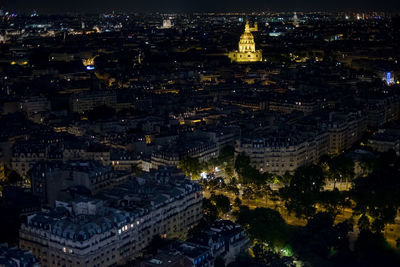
[
  {"x": 199, "y": 139},
  {"x": 98, "y": 6}
]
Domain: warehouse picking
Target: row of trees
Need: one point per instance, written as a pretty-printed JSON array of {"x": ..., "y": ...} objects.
[
  {"x": 374, "y": 199},
  {"x": 337, "y": 168}
]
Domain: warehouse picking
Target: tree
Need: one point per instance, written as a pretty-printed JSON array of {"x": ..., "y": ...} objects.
[
  {"x": 237, "y": 203},
  {"x": 320, "y": 241},
  {"x": 232, "y": 187},
  {"x": 398, "y": 243},
  {"x": 302, "y": 193},
  {"x": 339, "y": 168},
  {"x": 248, "y": 174},
  {"x": 367, "y": 166},
  {"x": 243, "y": 259},
  {"x": 302, "y": 204},
  {"x": 210, "y": 211},
  {"x": 228, "y": 171},
  {"x": 308, "y": 178},
  {"x": 226, "y": 154},
  {"x": 265, "y": 225},
  {"x": 372, "y": 250},
  {"x": 222, "y": 203},
  {"x": 333, "y": 201},
  {"x": 191, "y": 167},
  {"x": 286, "y": 178},
  {"x": 377, "y": 196},
  {"x": 13, "y": 177},
  {"x": 241, "y": 163}
]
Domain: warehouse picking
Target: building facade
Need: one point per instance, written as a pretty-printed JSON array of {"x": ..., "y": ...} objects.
[
  {"x": 279, "y": 155},
  {"x": 94, "y": 232}
]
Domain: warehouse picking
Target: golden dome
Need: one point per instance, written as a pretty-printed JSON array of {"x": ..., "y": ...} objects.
[
  {"x": 247, "y": 47},
  {"x": 247, "y": 36}
]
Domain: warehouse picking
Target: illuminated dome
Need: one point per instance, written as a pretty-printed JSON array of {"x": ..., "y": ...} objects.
[{"x": 247, "y": 47}]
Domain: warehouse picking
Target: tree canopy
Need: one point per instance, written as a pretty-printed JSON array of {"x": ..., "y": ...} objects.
[
  {"x": 191, "y": 167},
  {"x": 264, "y": 224}
]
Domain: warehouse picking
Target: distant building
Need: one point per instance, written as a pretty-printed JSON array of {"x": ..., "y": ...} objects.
[
  {"x": 295, "y": 20},
  {"x": 381, "y": 110},
  {"x": 222, "y": 136},
  {"x": 307, "y": 106},
  {"x": 125, "y": 160},
  {"x": 383, "y": 142},
  {"x": 34, "y": 105},
  {"x": 247, "y": 47},
  {"x": 167, "y": 24},
  {"x": 86, "y": 101}
]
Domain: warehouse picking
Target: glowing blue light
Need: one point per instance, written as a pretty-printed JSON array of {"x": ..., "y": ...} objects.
[
  {"x": 90, "y": 67},
  {"x": 388, "y": 77}
]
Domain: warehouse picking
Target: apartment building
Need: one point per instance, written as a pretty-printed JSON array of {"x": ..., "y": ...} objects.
[
  {"x": 114, "y": 228},
  {"x": 281, "y": 154},
  {"x": 171, "y": 154},
  {"x": 344, "y": 130},
  {"x": 50, "y": 179},
  {"x": 25, "y": 154},
  {"x": 86, "y": 101}
]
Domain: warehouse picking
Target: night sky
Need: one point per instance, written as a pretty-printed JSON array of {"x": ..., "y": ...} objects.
[{"x": 58, "y": 6}]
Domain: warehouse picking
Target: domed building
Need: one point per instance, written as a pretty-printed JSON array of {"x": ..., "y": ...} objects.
[{"x": 247, "y": 47}]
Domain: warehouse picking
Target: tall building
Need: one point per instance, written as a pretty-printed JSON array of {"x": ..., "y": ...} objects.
[
  {"x": 247, "y": 47},
  {"x": 295, "y": 20}
]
